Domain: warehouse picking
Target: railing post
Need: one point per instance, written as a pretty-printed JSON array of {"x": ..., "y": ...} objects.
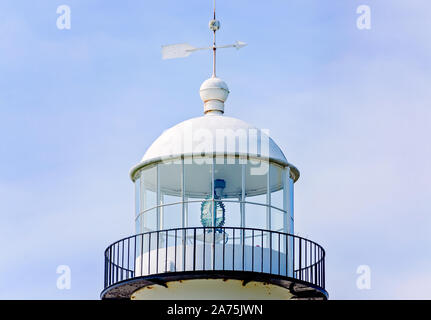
[
  {"x": 149, "y": 252},
  {"x": 305, "y": 262},
  {"x": 319, "y": 270},
  {"x": 315, "y": 264},
  {"x": 270, "y": 251},
  {"x": 175, "y": 253},
  {"x": 122, "y": 259},
  {"x": 134, "y": 257},
  {"x": 203, "y": 258},
  {"x": 194, "y": 249},
  {"x": 243, "y": 248},
  {"x": 252, "y": 250},
  {"x": 157, "y": 252},
  {"x": 311, "y": 263},
  {"x": 287, "y": 254},
  {"x": 105, "y": 277},
  {"x": 166, "y": 251},
  {"x": 214, "y": 232},
  {"x": 111, "y": 271},
  {"x": 293, "y": 255},
  {"x": 184, "y": 248},
  {"x": 233, "y": 249},
  {"x": 261, "y": 253},
  {"x": 128, "y": 258},
  {"x": 300, "y": 259},
  {"x": 118, "y": 259},
  {"x": 224, "y": 244},
  {"x": 279, "y": 252}
]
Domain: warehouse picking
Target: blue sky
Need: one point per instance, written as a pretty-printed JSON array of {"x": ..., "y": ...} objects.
[{"x": 350, "y": 108}]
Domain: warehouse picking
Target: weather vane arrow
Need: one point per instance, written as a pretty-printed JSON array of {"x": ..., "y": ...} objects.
[{"x": 183, "y": 50}]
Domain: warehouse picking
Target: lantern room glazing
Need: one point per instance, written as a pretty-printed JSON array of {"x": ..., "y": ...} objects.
[{"x": 214, "y": 191}]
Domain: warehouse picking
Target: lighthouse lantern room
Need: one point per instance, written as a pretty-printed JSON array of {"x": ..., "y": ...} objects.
[{"x": 214, "y": 215}]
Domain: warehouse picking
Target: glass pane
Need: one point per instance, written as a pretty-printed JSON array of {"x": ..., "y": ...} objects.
[
  {"x": 170, "y": 182},
  {"x": 277, "y": 220},
  {"x": 257, "y": 199},
  {"x": 138, "y": 225},
  {"x": 198, "y": 180},
  {"x": 231, "y": 174},
  {"x": 232, "y": 214},
  {"x": 194, "y": 214},
  {"x": 290, "y": 209},
  {"x": 290, "y": 228},
  {"x": 172, "y": 215},
  {"x": 170, "y": 193},
  {"x": 277, "y": 182},
  {"x": 256, "y": 180},
  {"x": 255, "y": 216},
  {"x": 149, "y": 187},
  {"x": 228, "y": 185},
  {"x": 150, "y": 220},
  {"x": 137, "y": 195}
]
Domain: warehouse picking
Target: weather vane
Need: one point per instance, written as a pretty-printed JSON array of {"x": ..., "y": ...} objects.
[{"x": 182, "y": 50}]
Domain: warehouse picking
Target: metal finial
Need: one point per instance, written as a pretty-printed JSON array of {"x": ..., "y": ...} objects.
[{"x": 214, "y": 26}]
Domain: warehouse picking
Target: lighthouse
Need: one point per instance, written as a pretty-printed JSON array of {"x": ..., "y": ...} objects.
[{"x": 214, "y": 213}]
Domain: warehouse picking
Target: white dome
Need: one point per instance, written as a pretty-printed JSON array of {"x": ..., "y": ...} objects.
[
  {"x": 209, "y": 134},
  {"x": 213, "y": 134}
]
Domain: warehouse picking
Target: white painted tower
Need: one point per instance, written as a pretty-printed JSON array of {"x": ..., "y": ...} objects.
[{"x": 214, "y": 214}]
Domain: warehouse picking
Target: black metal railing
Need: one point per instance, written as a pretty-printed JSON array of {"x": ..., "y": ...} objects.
[{"x": 215, "y": 249}]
